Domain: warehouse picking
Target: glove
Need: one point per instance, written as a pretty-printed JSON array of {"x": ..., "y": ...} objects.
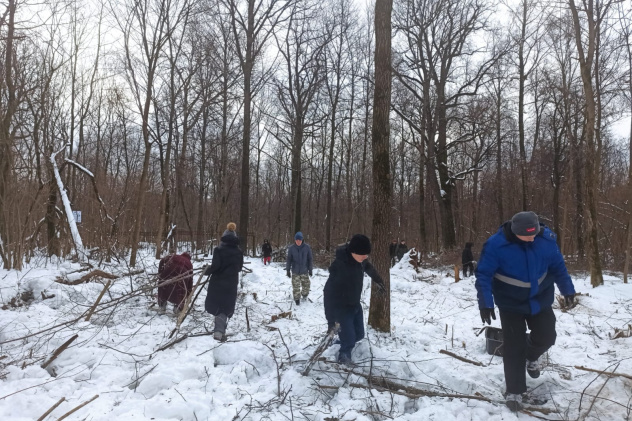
[
  {"x": 487, "y": 314},
  {"x": 569, "y": 300},
  {"x": 381, "y": 289},
  {"x": 288, "y": 274},
  {"x": 310, "y": 272},
  {"x": 207, "y": 270}
]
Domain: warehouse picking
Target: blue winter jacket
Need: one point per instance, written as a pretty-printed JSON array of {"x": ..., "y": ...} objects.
[
  {"x": 299, "y": 259},
  {"x": 519, "y": 275}
]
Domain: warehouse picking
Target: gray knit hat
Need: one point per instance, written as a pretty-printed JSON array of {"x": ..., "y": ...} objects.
[{"x": 525, "y": 223}]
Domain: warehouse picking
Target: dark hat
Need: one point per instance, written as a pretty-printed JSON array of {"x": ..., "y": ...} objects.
[
  {"x": 360, "y": 244},
  {"x": 525, "y": 223},
  {"x": 298, "y": 236}
]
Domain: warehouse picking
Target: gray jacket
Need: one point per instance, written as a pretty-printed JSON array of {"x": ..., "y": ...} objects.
[{"x": 299, "y": 259}]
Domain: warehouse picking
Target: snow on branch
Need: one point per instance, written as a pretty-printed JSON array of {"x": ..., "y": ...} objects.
[{"x": 71, "y": 219}]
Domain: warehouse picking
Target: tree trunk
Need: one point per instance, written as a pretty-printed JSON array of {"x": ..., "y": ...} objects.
[
  {"x": 592, "y": 156},
  {"x": 380, "y": 310}
]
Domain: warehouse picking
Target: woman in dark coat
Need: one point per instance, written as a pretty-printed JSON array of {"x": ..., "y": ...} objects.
[
  {"x": 228, "y": 261},
  {"x": 171, "y": 267},
  {"x": 343, "y": 290},
  {"x": 467, "y": 259}
]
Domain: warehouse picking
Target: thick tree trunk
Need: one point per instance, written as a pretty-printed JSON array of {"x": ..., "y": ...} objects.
[{"x": 380, "y": 310}]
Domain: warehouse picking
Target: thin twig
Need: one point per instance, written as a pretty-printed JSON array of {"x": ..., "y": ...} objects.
[
  {"x": 52, "y": 408},
  {"x": 77, "y": 408}
]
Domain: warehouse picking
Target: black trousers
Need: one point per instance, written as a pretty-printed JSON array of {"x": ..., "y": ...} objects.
[
  {"x": 519, "y": 347},
  {"x": 467, "y": 266}
]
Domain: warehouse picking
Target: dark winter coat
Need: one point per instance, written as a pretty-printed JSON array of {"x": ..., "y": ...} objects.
[
  {"x": 343, "y": 288},
  {"x": 466, "y": 255},
  {"x": 299, "y": 259},
  {"x": 172, "y": 266},
  {"x": 228, "y": 261},
  {"x": 392, "y": 250},
  {"x": 520, "y": 275},
  {"x": 401, "y": 250},
  {"x": 266, "y": 249}
]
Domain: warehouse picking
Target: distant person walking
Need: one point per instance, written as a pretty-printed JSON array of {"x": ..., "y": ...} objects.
[
  {"x": 518, "y": 268},
  {"x": 467, "y": 260},
  {"x": 221, "y": 297},
  {"x": 266, "y": 250},
  {"x": 299, "y": 267},
  {"x": 392, "y": 251},
  {"x": 172, "y": 267}
]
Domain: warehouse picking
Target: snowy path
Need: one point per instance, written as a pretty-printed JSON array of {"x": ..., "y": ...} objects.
[{"x": 256, "y": 375}]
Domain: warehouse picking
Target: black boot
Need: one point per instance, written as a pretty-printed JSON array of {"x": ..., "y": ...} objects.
[{"x": 298, "y": 302}]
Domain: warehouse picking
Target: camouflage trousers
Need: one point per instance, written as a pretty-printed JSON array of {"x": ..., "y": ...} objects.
[{"x": 298, "y": 282}]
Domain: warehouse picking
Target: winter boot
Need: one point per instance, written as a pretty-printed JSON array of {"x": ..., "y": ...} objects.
[
  {"x": 533, "y": 369},
  {"x": 298, "y": 302},
  {"x": 220, "y": 326},
  {"x": 162, "y": 307},
  {"x": 513, "y": 402},
  {"x": 344, "y": 358}
]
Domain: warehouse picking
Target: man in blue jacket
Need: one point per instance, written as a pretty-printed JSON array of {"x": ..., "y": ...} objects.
[
  {"x": 299, "y": 262},
  {"x": 518, "y": 267}
]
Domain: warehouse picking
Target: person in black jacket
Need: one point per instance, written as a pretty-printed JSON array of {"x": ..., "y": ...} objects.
[
  {"x": 228, "y": 261},
  {"x": 467, "y": 260},
  {"x": 343, "y": 290},
  {"x": 401, "y": 250},
  {"x": 266, "y": 250}
]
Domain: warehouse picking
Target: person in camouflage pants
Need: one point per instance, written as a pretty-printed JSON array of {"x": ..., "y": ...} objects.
[{"x": 299, "y": 267}]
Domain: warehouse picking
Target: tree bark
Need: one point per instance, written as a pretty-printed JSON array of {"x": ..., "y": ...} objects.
[{"x": 380, "y": 310}]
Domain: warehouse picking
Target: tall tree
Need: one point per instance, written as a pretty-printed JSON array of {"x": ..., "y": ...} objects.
[
  {"x": 586, "y": 42},
  {"x": 380, "y": 311},
  {"x": 253, "y": 23},
  {"x": 145, "y": 30},
  {"x": 6, "y": 119}
]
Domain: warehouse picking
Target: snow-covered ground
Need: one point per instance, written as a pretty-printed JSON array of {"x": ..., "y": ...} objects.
[{"x": 256, "y": 374}]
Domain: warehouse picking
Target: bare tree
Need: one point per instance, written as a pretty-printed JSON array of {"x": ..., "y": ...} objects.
[
  {"x": 253, "y": 23},
  {"x": 145, "y": 29},
  {"x": 586, "y": 42}
]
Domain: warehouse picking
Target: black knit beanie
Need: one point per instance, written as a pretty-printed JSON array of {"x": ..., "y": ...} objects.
[
  {"x": 360, "y": 244},
  {"x": 525, "y": 223}
]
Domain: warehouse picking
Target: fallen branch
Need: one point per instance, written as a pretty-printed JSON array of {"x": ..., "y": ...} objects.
[
  {"x": 77, "y": 408},
  {"x": 458, "y": 357},
  {"x": 51, "y": 409},
  {"x": 607, "y": 373},
  {"x": 59, "y": 351},
  {"x": 283, "y": 315},
  {"x": 384, "y": 385},
  {"x": 87, "y": 277},
  {"x": 96, "y": 303}
]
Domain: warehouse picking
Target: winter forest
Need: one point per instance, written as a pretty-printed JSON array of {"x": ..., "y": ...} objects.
[
  {"x": 166, "y": 118},
  {"x": 134, "y": 129}
]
